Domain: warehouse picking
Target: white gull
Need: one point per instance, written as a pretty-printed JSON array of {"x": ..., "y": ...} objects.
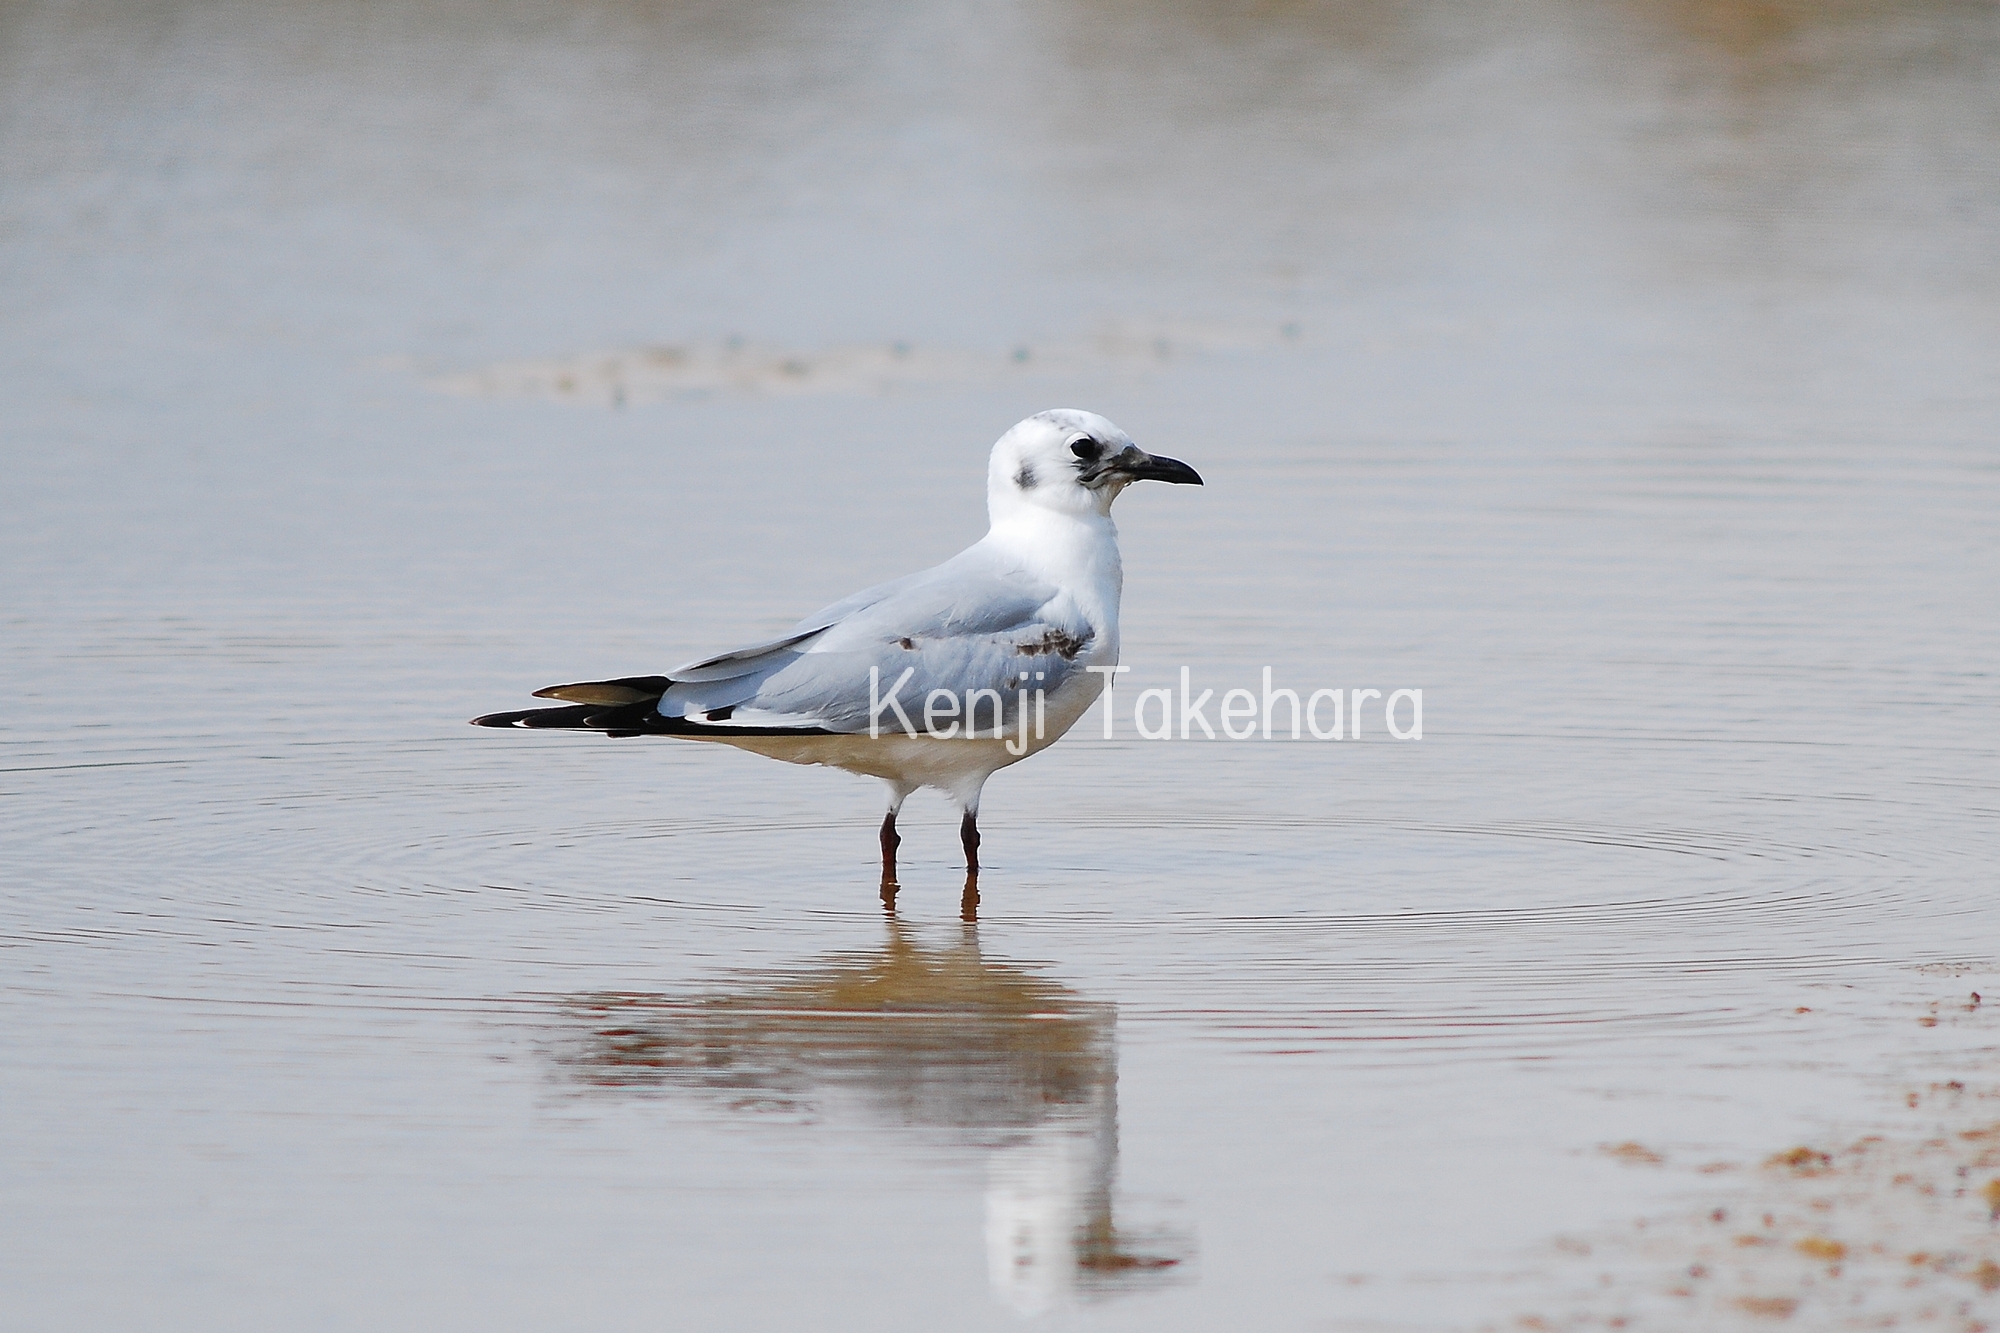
[{"x": 887, "y": 682}]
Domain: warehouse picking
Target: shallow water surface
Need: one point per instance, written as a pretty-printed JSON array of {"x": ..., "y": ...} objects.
[{"x": 1623, "y": 377}]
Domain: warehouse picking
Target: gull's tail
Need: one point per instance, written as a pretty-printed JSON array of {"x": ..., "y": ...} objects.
[
  {"x": 622, "y": 707},
  {"x": 627, "y": 706}
]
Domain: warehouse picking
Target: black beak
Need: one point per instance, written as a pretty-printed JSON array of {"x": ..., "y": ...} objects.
[{"x": 1148, "y": 467}]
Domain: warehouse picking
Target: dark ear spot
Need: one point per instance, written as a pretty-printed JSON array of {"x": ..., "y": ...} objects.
[
  {"x": 1086, "y": 448},
  {"x": 1025, "y": 478}
]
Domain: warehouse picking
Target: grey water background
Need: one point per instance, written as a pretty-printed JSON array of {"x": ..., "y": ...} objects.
[{"x": 1624, "y": 375}]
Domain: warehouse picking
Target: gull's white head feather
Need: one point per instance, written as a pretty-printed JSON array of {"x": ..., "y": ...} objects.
[{"x": 1072, "y": 462}]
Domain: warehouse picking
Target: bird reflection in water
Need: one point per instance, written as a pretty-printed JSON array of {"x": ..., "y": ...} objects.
[{"x": 1003, "y": 1060}]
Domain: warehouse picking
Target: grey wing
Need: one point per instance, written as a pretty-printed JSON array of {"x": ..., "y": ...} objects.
[{"x": 956, "y": 629}]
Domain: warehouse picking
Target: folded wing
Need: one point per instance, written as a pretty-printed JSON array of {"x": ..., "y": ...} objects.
[
  {"x": 954, "y": 629},
  {"x": 937, "y": 637}
]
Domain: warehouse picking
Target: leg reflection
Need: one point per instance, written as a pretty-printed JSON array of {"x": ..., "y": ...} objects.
[{"x": 968, "y": 902}]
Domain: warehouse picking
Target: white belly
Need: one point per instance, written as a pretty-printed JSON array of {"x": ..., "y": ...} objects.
[{"x": 954, "y": 765}]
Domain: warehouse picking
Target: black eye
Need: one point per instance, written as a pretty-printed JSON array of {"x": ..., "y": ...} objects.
[{"x": 1085, "y": 447}]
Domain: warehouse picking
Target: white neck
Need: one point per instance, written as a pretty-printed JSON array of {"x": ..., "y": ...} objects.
[{"x": 1077, "y": 552}]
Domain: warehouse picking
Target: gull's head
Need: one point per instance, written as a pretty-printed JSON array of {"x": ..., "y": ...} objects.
[{"x": 1072, "y": 462}]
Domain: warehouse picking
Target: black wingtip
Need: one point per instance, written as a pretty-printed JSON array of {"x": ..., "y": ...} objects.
[
  {"x": 630, "y": 720},
  {"x": 576, "y": 715}
]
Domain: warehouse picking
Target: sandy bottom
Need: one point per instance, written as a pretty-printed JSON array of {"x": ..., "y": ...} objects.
[{"x": 1892, "y": 1229}]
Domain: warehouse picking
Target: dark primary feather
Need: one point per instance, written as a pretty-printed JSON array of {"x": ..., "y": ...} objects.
[
  {"x": 624, "y": 690},
  {"x": 635, "y": 719}
]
